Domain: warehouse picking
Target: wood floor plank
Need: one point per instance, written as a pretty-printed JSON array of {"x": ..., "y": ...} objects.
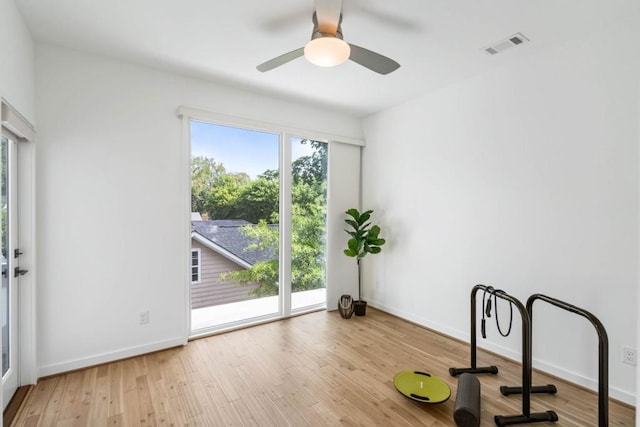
[
  {"x": 312, "y": 370},
  {"x": 50, "y": 412},
  {"x": 99, "y": 404},
  {"x": 116, "y": 392}
]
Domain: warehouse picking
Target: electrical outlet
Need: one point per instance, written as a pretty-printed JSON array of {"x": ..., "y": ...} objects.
[
  {"x": 629, "y": 355},
  {"x": 144, "y": 318}
]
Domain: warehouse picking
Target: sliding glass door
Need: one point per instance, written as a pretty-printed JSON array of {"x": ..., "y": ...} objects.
[
  {"x": 248, "y": 187},
  {"x": 235, "y": 186}
]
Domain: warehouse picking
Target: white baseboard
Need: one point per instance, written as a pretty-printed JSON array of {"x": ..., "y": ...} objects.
[
  {"x": 98, "y": 359},
  {"x": 590, "y": 383}
]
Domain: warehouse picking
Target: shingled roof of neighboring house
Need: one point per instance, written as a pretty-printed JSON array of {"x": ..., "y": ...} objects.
[{"x": 226, "y": 237}]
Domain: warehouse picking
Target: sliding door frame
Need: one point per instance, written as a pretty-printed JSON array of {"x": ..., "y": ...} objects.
[
  {"x": 285, "y": 225},
  {"x": 286, "y": 134}
]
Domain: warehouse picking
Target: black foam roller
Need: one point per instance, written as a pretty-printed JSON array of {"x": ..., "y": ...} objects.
[{"x": 467, "y": 409}]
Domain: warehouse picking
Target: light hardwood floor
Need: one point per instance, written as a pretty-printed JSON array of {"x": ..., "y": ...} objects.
[{"x": 312, "y": 370}]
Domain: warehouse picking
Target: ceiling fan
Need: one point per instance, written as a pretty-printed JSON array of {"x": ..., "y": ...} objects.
[{"x": 328, "y": 49}]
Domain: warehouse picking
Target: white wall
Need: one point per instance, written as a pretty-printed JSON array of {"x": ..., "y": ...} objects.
[
  {"x": 524, "y": 178},
  {"x": 17, "y": 70},
  {"x": 110, "y": 211},
  {"x": 344, "y": 193},
  {"x": 17, "y": 86}
]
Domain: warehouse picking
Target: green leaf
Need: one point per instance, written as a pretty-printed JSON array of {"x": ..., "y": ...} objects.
[
  {"x": 376, "y": 242},
  {"x": 374, "y": 232},
  {"x": 354, "y": 245},
  {"x": 353, "y": 213},
  {"x": 375, "y": 249},
  {"x": 352, "y": 223},
  {"x": 364, "y": 217},
  {"x": 347, "y": 252}
]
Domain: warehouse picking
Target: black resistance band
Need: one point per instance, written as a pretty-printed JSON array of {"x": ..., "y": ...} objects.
[{"x": 486, "y": 311}]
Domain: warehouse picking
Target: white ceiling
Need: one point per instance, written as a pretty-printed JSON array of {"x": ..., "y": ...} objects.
[{"x": 437, "y": 42}]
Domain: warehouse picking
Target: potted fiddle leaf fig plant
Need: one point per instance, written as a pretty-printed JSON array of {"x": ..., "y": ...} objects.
[{"x": 365, "y": 239}]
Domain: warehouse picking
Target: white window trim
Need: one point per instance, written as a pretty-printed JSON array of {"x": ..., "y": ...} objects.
[
  {"x": 199, "y": 280},
  {"x": 189, "y": 114}
]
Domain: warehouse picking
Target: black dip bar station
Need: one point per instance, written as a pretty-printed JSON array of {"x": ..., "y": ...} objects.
[
  {"x": 603, "y": 356},
  {"x": 526, "y": 417}
]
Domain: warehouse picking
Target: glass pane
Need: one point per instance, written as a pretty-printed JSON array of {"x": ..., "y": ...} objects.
[
  {"x": 308, "y": 222},
  {"x": 4, "y": 195},
  {"x": 234, "y": 205}
]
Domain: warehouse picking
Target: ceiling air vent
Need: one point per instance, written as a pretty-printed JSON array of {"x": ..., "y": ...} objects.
[{"x": 503, "y": 45}]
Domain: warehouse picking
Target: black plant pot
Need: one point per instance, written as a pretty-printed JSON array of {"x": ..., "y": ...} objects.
[
  {"x": 360, "y": 307},
  {"x": 345, "y": 306}
]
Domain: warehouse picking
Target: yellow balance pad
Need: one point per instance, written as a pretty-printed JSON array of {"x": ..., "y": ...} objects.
[{"x": 422, "y": 387}]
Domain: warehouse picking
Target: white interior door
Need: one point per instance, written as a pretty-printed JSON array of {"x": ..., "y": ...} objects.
[{"x": 10, "y": 269}]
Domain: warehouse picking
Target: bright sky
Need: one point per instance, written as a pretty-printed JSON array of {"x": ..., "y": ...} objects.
[{"x": 240, "y": 150}]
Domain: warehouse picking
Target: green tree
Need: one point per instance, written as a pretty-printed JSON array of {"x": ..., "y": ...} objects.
[
  {"x": 308, "y": 230},
  {"x": 309, "y": 237},
  {"x": 205, "y": 173},
  {"x": 307, "y": 253},
  {"x": 309, "y": 200},
  {"x": 215, "y": 191},
  {"x": 312, "y": 168},
  {"x": 259, "y": 199},
  {"x": 222, "y": 199}
]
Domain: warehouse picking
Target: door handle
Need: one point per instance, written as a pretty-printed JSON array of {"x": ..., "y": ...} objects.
[{"x": 18, "y": 272}]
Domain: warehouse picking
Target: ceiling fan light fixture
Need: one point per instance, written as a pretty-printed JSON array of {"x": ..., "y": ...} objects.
[{"x": 327, "y": 51}]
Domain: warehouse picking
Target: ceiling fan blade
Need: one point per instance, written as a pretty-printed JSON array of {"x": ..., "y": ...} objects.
[
  {"x": 280, "y": 60},
  {"x": 328, "y": 15},
  {"x": 372, "y": 60}
]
